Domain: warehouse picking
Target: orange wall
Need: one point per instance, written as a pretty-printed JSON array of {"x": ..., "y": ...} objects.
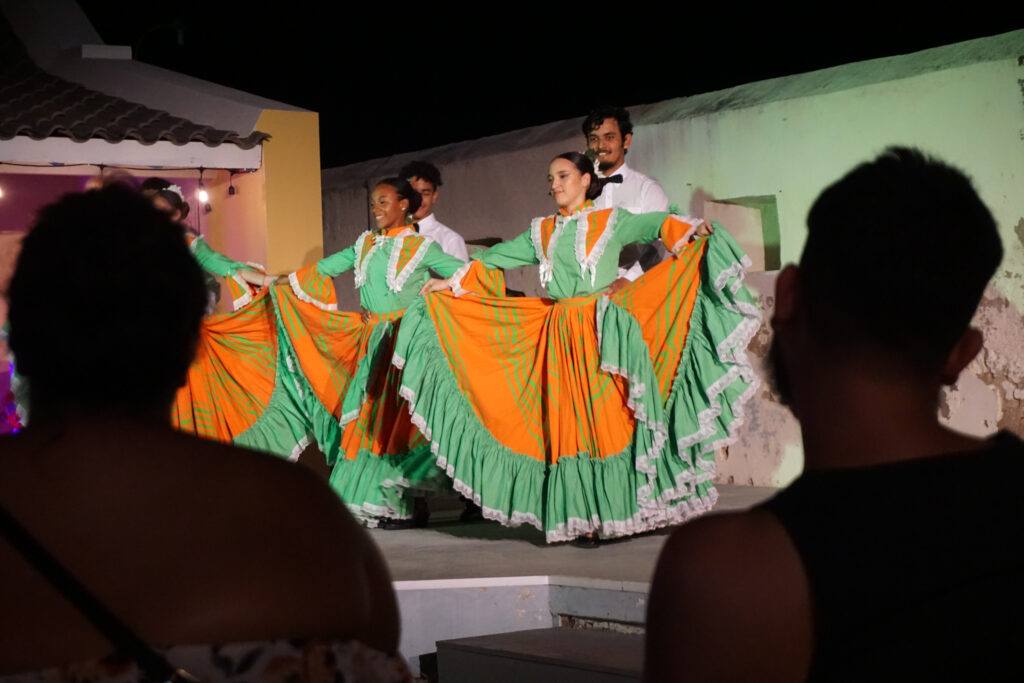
[{"x": 291, "y": 166}]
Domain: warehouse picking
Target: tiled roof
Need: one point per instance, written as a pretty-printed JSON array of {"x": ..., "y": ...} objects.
[{"x": 39, "y": 105}]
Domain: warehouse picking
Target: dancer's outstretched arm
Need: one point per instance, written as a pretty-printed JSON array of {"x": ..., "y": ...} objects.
[
  {"x": 511, "y": 254},
  {"x": 514, "y": 253},
  {"x": 440, "y": 262},
  {"x": 337, "y": 263},
  {"x": 212, "y": 261},
  {"x": 674, "y": 230}
]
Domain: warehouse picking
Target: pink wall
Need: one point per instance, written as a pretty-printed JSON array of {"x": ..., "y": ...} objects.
[{"x": 25, "y": 193}]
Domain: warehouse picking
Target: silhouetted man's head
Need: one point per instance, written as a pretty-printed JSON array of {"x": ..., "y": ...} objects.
[
  {"x": 105, "y": 303},
  {"x": 897, "y": 256}
]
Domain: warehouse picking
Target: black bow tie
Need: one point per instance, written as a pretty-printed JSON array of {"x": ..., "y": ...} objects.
[{"x": 617, "y": 178}]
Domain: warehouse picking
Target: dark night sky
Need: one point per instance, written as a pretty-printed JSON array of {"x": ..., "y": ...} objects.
[{"x": 388, "y": 78}]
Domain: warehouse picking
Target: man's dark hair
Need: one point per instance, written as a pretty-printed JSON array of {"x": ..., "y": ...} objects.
[
  {"x": 607, "y": 111},
  {"x": 424, "y": 170},
  {"x": 405, "y": 191},
  {"x": 897, "y": 256},
  {"x": 105, "y": 302}
]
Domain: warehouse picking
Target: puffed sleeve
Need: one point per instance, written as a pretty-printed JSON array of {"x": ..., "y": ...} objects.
[{"x": 674, "y": 230}]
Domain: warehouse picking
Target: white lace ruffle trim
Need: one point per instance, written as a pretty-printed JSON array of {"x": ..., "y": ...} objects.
[
  {"x": 245, "y": 298},
  {"x": 348, "y": 417},
  {"x": 731, "y": 350},
  {"x": 299, "y": 447},
  {"x": 396, "y": 280},
  {"x": 588, "y": 262},
  {"x": 545, "y": 252},
  {"x": 455, "y": 281},
  {"x": 682, "y": 241},
  {"x": 293, "y": 280},
  {"x": 359, "y": 271}
]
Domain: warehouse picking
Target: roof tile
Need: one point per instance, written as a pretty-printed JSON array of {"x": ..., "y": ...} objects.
[{"x": 40, "y": 105}]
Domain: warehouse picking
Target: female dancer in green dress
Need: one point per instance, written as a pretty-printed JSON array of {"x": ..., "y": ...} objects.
[
  {"x": 362, "y": 424},
  {"x": 585, "y": 413}
]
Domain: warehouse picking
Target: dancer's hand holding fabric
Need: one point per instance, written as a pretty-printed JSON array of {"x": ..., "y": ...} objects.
[
  {"x": 617, "y": 285},
  {"x": 434, "y": 284},
  {"x": 704, "y": 229},
  {"x": 256, "y": 278}
]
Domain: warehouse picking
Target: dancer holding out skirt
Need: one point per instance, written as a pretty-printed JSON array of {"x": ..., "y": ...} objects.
[
  {"x": 360, "y": 421},
  {"x": 237, "y": 388},
  {"x": 583, "y": 413}
]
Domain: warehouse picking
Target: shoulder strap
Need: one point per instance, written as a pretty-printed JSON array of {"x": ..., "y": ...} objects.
[{"x": 113, "y": 629}]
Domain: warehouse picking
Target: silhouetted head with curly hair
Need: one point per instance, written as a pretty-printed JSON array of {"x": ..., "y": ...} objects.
[{"x": 105, "y": 304}]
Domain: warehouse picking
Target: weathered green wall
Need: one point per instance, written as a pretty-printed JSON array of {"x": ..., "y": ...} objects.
[
  {"x": 788, "y": 137},
  {"x": 972, "y": 117}
]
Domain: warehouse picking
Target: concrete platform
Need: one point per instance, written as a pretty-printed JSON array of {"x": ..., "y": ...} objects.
[
  {"x": 458, "y": 580},
  {"x": 552, "y": 655},
  {"x": 448, "y": 549}
]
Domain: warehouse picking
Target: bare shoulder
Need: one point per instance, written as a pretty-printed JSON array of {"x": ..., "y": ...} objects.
[
  {"x": 724, "y": 580},
  {"x": 724, "y": 540},
  {"x": 271, "y": 491},
  {"x": 245, "y": 545}
]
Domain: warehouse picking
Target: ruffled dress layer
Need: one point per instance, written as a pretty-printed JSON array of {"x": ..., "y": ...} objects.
[
  {"x": 586, "y": 412},
  {"x": 238, "y": 388}
]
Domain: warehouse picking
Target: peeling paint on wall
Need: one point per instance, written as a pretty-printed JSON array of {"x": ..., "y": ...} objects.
[
  {"x": 990, "y": 393},
  {"x": 988, "y": 396}
]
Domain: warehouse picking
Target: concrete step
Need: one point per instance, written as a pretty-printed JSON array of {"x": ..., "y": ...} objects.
[{"x": 547, "y": 655}]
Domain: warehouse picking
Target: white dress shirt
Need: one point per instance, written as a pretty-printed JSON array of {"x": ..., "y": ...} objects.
[
  {"x": 636, "y": 193},
  {"x": 450, "y": 241}
]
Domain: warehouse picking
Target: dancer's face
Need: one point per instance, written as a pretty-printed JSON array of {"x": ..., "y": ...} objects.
[
  {"x": 387, "y": 207},
  {"x": 608, "y": 143},
  {"x": 568, "y": 185},
  {"x": 429, "y": 195}
]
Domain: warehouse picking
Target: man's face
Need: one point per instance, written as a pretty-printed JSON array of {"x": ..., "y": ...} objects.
[
  {"x": 429, "y": 194},
  {"x": 607, "y": 142}
]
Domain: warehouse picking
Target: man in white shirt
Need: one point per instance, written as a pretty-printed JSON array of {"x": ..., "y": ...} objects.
[
  {"x": 426, "y": 179},
  {"x": 609, "y": 133}
]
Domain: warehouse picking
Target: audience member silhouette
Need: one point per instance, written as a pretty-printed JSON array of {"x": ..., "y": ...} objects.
[
  {"x": 180, "y": 541},
  {"x": 897, "y": 554}
]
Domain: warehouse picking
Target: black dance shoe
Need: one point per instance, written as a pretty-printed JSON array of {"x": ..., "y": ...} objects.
[{"x": 586, "y": 541}]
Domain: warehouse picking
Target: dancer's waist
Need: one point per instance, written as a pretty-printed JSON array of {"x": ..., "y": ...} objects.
[
  {"x": 373, "y": 318},
  {"x": 582, "y": 300}
]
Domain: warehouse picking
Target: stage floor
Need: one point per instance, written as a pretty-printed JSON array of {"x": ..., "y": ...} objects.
[{"x": 448, "y": 549}]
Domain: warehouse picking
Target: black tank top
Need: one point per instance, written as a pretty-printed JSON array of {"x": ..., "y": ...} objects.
[{"x": 916, "y": 568}]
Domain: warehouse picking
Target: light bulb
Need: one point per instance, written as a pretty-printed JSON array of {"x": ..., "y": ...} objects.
[
  {"x": 204, "y": 196},
  {"x": 1, "y": 192}
]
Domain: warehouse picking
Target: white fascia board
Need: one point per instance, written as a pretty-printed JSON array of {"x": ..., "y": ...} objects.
[{"x": 162, "y": 154}]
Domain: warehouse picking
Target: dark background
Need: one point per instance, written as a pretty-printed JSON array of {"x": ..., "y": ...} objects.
[{"x": 390, "y": 78}]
